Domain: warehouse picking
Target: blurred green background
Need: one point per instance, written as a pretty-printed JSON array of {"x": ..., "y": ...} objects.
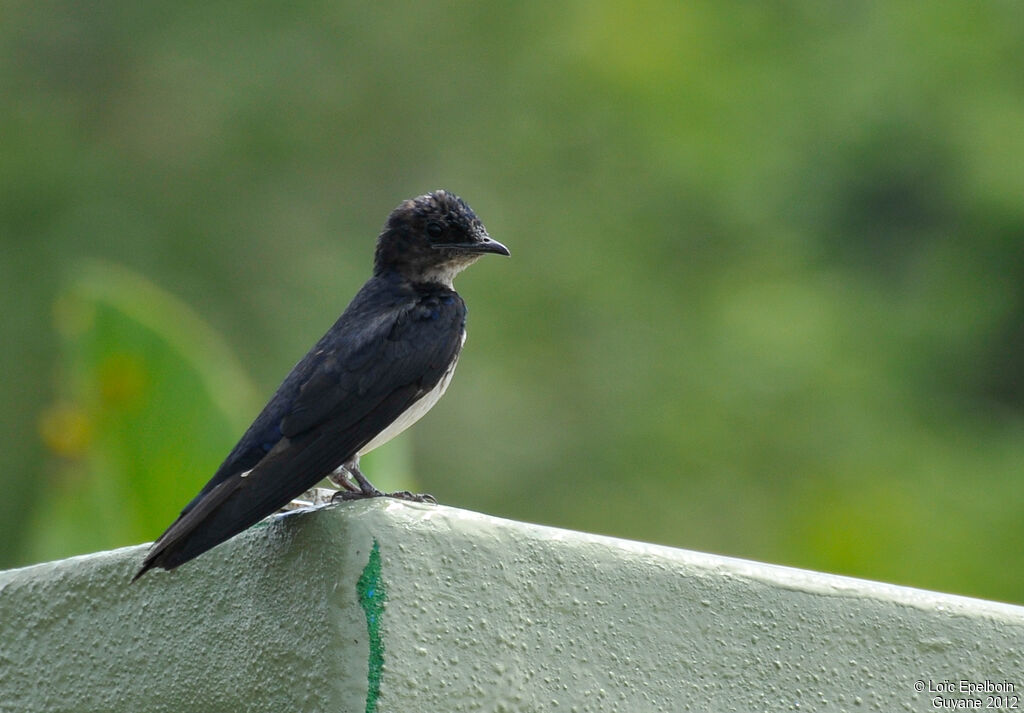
[{"x": 766, "y": 294}]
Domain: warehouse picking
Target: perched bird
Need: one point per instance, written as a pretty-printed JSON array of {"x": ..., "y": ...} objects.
[{"x": 384, "y": 363}]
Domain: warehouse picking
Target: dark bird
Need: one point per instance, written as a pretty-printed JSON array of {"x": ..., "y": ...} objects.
[{"x": 384, "y": 363}]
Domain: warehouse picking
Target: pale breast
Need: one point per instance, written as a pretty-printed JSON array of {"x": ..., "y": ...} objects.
[{"x": 415, "y": 412}]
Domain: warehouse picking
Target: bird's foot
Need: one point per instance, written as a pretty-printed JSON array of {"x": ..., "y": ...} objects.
[
  {"x": 368, "y": 490},
  {"x": 362, "y": 488},
  {"x": 412, "y": 497},
  {"x": 343, "y": 496},
  {"x": 347, "y": 495},
  {"x": 365, "y": 489}
]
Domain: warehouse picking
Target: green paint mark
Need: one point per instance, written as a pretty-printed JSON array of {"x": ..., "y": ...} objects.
[{"x": 372, "y": 596}]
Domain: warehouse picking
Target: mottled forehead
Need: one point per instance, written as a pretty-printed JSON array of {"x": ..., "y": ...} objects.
[{"x": 441, "y": 205}]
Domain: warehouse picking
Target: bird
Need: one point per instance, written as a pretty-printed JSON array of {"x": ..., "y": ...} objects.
[{"x": 383, "y": 364}]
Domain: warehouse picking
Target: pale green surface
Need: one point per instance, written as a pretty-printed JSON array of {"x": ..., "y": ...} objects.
[{"x": 482, "y": 614}]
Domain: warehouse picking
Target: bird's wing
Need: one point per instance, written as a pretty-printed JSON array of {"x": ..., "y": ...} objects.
[{"x": 357, "y": 385}]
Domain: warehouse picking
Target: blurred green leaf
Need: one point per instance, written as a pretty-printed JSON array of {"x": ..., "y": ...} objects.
[{"x": 150, "y": 400}]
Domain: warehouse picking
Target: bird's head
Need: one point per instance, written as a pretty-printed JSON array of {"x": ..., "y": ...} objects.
[{"x": 432, "y": 238}]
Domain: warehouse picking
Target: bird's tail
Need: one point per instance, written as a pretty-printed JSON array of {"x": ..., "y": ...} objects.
[
  {"x": 196, "y": 530},
  {"x": 243, "y": 499}
]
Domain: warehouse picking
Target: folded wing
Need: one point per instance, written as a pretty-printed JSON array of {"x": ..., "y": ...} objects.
[{"x": 349, "y": 388}]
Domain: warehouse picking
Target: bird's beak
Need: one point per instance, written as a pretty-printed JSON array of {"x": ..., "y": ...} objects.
[{"x": 486, "y": 244}]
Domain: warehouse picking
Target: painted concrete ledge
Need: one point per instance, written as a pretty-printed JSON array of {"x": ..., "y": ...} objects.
[{"x": 389, "y": 606}]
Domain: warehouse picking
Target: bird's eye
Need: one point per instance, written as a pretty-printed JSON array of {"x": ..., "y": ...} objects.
[{"x": 434, "y": 229}]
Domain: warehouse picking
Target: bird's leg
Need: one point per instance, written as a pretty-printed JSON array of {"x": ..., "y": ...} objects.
[
  {"x": 368, "y": 490},
  {"x": 342, "y": 478},
  {"x": 362, "y": 488}
]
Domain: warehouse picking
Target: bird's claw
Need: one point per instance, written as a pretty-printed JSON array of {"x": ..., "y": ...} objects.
[
  {"x": 367, "y": 489},
  {"x": 412, "y": 497},
  {"x": 348, "y": 495}
]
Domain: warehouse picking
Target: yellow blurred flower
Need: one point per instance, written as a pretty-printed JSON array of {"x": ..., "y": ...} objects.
[{"x": 66, "y": 429}]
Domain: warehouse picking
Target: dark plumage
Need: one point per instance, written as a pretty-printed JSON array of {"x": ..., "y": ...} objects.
[{"x": 382, "y": 365}]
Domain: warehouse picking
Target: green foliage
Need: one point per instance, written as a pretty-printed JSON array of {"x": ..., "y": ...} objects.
[
  {"x": 149, "y": 399},
  {"x": 766, "y": 294},
  {"x": 152, "y": 402}
]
